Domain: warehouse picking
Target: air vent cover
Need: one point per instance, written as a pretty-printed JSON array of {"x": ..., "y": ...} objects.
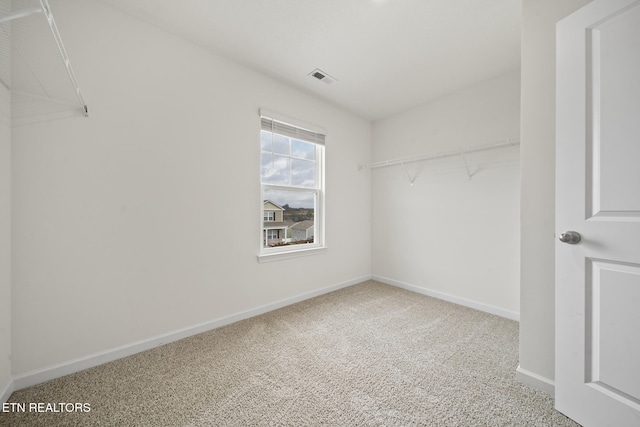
[{"x": 322, "y": 76}]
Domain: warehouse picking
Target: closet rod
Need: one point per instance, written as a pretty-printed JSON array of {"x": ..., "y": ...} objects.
[{"x": 439, "y": 155}]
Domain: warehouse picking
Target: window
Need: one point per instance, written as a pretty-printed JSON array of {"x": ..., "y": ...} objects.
[{"x": 292, "y": 181}]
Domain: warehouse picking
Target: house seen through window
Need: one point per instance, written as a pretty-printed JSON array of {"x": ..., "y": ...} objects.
[{"x": 292, "y": 187}]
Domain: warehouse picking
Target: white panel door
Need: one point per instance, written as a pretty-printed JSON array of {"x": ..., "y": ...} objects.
[{"x": 598, "y": 197}]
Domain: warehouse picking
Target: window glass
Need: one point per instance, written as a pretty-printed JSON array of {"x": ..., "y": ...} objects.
[{"x": 291, "y": 191}]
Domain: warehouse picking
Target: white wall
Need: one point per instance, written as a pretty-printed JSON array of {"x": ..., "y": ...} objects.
[
  {"x": 144, "y": 218},
  {"x": 446, "y": 234},
  {"x": 5, "y": 240},
  {"x": 5, "y": 216},
  {"x": 538, "y": 189}
]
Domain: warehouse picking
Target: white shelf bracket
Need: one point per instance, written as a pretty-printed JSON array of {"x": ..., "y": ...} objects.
[
  {"x": 466, "y": 165},
  {"x": 63, "y": 53},
  {"x": 411, "y": 179}
]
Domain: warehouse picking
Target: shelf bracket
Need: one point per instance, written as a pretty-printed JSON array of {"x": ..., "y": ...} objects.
[
  {"x": 466, "y": 165},
  {"x": 411, "y": 179},
  {"x": 63, "y": 53}
]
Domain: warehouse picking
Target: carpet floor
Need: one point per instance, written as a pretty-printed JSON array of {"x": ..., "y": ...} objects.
[{"x": 366, "y": 355}]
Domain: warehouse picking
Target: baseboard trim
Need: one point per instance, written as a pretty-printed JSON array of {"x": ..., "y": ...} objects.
[
  {"x": 6, "y": 391},
  {"x": 56, "y": 371},
  {"x": 451, "y": 298},
  {"x": 536, "y": 381}
]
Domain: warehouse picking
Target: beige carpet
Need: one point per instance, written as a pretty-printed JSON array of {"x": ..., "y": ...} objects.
[{"x": 367, "y": 355}]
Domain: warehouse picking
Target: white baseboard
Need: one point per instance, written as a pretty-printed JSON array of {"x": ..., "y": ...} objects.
[
  {"x": 5, "y": 392},
  {"x": 45, "y": 374},
  {"x": 536, "y": 381},
  {"x": 451, "y": 298}
]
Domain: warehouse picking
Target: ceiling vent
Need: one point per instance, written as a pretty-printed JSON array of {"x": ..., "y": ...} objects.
[{"x": 322, "y": 76}]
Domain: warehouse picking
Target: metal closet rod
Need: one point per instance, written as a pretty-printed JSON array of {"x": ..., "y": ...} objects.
[
  {"x": 442, "y": 154},
  {"x": 46, "y": 9}
]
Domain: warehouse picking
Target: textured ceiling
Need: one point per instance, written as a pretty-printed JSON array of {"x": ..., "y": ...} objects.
[{"x": 387, "y": 55}]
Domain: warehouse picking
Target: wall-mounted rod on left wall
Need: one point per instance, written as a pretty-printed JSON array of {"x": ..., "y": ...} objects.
[{"x": 46, "y": 9}]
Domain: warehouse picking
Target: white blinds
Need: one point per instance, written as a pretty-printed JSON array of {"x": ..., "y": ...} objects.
[{"x": 302, "y": 132}]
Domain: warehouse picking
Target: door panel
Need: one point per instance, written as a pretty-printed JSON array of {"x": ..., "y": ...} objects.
[
  {"x": 613, "y": 113},
  {"x": 613, "y": 328},
  {"x": 597, "y": 378}
]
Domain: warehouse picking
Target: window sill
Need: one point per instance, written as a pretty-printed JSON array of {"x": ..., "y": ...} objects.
[{"x": 278, "y": 256}]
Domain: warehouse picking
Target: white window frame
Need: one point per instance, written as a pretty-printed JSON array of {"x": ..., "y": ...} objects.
[
  {"x": 318, "y": 245},
  {"x": 269, "y": 216}
]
